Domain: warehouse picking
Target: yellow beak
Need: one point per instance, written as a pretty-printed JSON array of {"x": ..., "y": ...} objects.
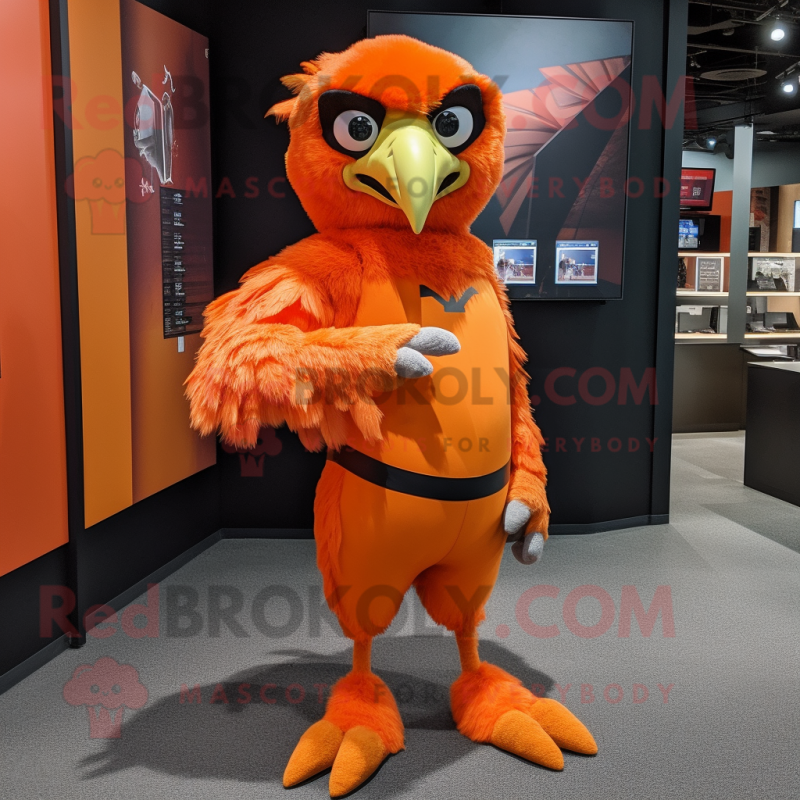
[{"x": 407, "y": 167}]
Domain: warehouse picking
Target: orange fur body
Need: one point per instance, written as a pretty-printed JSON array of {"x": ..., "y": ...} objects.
[
  {"x": 307, "y": 341},
  {"x": 479, "y": 698},
  {"x": 283, "y": 347},
  {"x": 362, "y": 698}
]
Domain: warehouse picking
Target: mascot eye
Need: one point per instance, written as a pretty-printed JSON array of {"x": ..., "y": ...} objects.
[
  {"x": 355, "y": 130},
  {"x": 453, "y": 126},
  {"x": 350, "y": 122},
  {"x": 459, "y": 118}
]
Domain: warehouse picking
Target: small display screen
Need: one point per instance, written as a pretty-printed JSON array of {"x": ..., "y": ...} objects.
[
  {"x": 697, "y": 188},
  {"x": 688, "y": 233},
  {"x": 515, "y": 260},
  {"x": 577, "y": 261}
]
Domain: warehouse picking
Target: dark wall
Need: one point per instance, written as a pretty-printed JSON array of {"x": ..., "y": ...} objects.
[
  {"x": 252, "y": 44},
  {"x": 194, "y": 14},
  {"x": 19, "y": 606},
  {"x": 101, "y": 565},
  {"x": 586, "y": 486},
  {"x": 250, "y": 51}
]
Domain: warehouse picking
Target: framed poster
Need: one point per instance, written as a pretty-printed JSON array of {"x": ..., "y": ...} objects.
[
  {"x": 710, "y": 277},
  {"x": 773, "y": 274},
  {"x": 567, "y": 97},
  {"x": 141, "y": 184}
]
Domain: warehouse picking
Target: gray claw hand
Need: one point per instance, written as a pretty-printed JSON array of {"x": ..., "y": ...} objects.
[
  {"x": 435, "y": 342},
  {"x": 528, "y": 550},
  {"x": 515, "y": 519},
  {"x": 430, "y": 341},
  {"x": 412, "y": 364}
]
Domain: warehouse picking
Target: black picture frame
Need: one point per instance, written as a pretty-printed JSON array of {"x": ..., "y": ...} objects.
[{"x": 566, "y": 171}]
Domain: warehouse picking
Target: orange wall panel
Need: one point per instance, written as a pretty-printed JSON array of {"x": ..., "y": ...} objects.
[
  {"x": 97, "y": 142},
  {"x": 136, "y": 435},
  {"x": 722, "y": 205},
  {"x": 33, "y": 479},
  {"x": 784, "y": 218}
]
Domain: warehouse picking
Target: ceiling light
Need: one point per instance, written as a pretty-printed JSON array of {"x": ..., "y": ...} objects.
[
  {"x": 789, "y": 87},
  {"x": 778, "y": 32}
]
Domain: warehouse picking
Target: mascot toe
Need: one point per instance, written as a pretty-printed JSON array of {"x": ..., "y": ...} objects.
[{"x": 386, "y": 338}]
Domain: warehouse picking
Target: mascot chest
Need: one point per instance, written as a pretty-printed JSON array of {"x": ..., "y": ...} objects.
[{"x": 457, "y": 421}]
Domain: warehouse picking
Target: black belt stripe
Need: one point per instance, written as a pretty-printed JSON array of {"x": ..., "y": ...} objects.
[{"x": 433, "y": 487}]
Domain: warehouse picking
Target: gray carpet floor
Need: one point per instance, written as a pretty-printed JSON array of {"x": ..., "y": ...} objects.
[{"x": 727, "y": 728}]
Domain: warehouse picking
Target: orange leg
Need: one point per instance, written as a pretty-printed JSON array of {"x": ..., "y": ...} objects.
[
  {"x": 360, "y": 728},
  {"x": 371, "y": 543},
  {"x": 489, "y": 705}
]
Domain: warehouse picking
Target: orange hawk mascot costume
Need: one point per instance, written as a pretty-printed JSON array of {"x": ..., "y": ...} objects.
[{"x": 387, "y": 338}]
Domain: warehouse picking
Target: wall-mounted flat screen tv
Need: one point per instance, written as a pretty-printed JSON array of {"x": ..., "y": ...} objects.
[
  {"x": 566, "y": 87},
  {"x": 697, "y": 188}
]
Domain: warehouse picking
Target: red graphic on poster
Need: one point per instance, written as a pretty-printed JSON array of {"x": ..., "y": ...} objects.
[{"x": 535, "y": 116}]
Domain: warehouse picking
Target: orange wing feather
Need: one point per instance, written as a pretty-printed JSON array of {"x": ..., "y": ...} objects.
[
  {"x": 272, "y": 355},
  {"x": 528, "y": 472}
]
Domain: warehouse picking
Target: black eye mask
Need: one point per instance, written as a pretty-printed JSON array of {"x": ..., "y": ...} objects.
[
  {"x": 334, "y": 102},
  {"x": 470, "y": 97}
]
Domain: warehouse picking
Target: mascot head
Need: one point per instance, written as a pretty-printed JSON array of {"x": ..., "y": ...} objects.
[{"x": 393, "y": 133}]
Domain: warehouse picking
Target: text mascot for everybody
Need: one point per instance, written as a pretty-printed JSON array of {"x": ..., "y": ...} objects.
[{"x": 387, "y": 339}]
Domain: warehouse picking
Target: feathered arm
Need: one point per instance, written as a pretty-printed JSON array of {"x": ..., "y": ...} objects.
[
  {"x": 270, "y": 355},
  {"x": 528, "y": 473}
]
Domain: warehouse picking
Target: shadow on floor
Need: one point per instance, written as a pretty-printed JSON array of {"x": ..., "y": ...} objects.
[
  {"x": 248, "y": 739},
  {"x": 770, "y": 518}
]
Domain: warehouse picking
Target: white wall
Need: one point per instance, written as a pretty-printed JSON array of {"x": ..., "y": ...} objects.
[
  {"x": 774, "y": 164},
  {"x": 718, "y": 161}
]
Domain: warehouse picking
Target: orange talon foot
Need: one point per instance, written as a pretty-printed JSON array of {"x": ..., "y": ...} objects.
[
  {"x": 517, "y": 733},
  {"x": 315, "y": 752},
  {"x": 361, "y": 753},
  {"x": 564, "y": 728},
  {"x": 360, "y": 728},
  {"x": 491, "y": 706}
]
